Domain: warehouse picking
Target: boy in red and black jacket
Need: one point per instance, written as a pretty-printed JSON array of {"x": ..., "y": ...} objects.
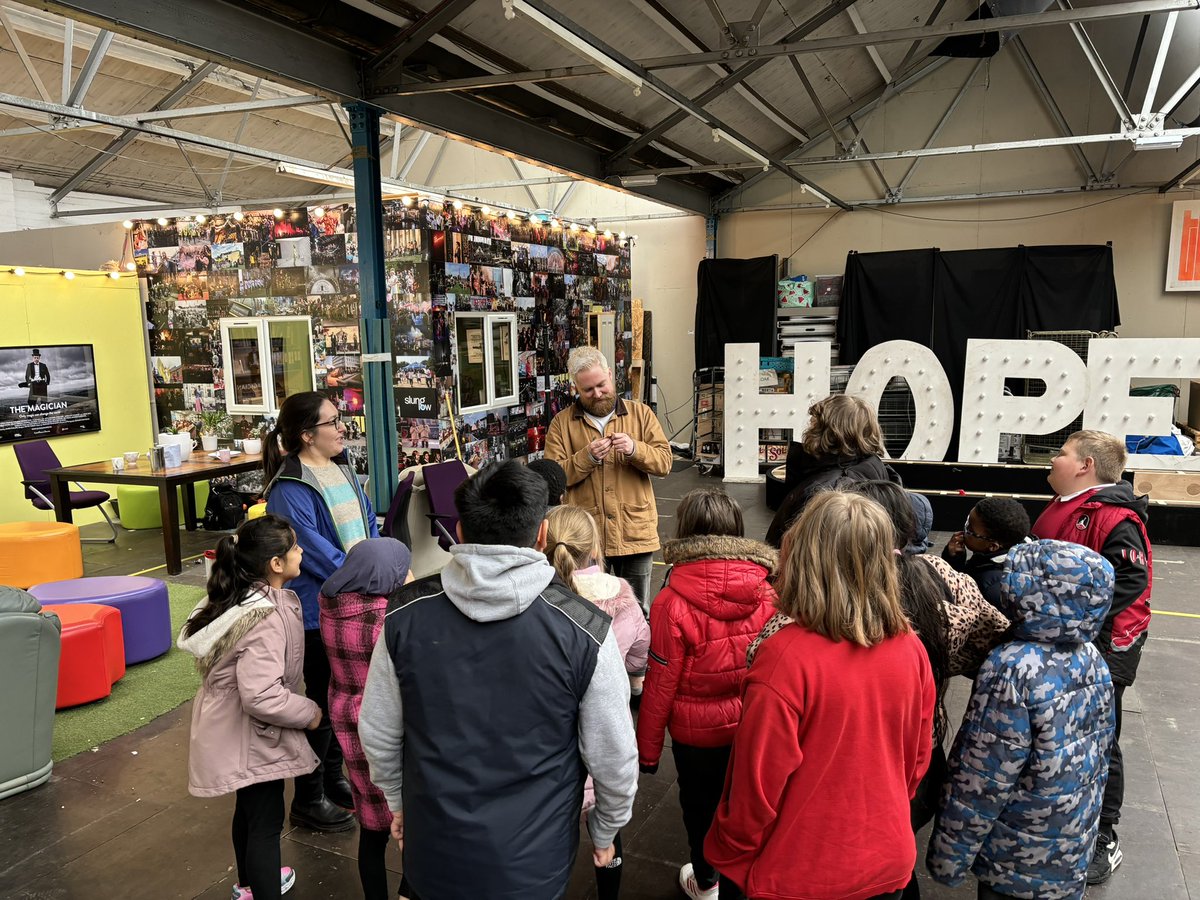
[{"x": 1094, "y": 507}]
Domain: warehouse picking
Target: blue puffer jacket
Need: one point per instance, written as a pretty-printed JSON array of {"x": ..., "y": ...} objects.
[
  {"x": 1027, "y": 772},
  {"x": 297, "y": 497}
]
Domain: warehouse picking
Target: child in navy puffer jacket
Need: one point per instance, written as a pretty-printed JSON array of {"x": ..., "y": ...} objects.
[{"x": 1027, "y": 771}]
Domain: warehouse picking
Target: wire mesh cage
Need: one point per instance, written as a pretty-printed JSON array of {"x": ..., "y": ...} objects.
[{"x": 1040, "y": 448}]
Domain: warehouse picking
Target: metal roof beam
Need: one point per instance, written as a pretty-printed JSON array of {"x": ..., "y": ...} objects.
[
  {"x": 962, "y": 92},
  {"x": 687, "y": 107},
  {"x": 220, "y": 109},
  {"x": 1159, "y": 61},
  {"x": 68, "y": 59},
  {"x": 21, "y": 52},
  {"x": 91, "y": 66},
  {"x": 101, "y": 159},
  {"x": 259, "y": 45},
  {"x": 857, "y": 22},
  {"x": 1051, "y": 107},
  {"x": 386, "y": 63},
  {"x": 1094, "y": 60},
  {"x": 1179, "y": 179},
  {"x": 737, "y": 76}
]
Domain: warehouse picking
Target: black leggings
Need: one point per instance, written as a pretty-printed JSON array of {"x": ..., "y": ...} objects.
[
  {"x": 310, "y": 788},
  {"x": 257, "y": 824},
  {"x": 372, "y": 871},
  {"x": 608, "y": 879}
]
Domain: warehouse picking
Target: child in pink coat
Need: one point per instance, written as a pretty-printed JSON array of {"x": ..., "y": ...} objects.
[
  {"x": 352, "y": 602},
  {"x": 249, "y": 715},
  {"x": 573, "y": 548}
]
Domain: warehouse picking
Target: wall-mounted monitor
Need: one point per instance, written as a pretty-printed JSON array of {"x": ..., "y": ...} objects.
[{"x": 47, "y": 391}]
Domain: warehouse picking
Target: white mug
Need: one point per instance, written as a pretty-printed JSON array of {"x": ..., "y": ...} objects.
[{"x": 252, "y": 445}]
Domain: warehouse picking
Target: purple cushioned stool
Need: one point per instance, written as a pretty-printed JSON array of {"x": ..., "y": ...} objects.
[{"x": 145, "y": 610}]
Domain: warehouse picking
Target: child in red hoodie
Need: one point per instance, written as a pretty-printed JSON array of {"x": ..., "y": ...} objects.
[{"x": 714, "y": 603}]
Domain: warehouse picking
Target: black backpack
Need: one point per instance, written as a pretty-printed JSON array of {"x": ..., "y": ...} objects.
[{"x": 224, "y": 509}]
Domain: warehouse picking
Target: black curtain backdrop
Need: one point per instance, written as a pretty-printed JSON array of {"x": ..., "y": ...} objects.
[
  {"x": 941, "y": 299},
  {"x": 735, "y": 303}
]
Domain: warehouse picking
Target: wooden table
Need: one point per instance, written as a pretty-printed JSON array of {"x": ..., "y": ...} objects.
[{"x": 197, "y": 467}]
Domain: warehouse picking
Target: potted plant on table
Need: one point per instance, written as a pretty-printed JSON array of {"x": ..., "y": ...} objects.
[{"x": 213, "y": 423}]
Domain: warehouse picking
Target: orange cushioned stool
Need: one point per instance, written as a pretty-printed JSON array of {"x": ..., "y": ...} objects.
[
  {"x": 93, "y": 652},
  {"x": 33, "y": 552}
]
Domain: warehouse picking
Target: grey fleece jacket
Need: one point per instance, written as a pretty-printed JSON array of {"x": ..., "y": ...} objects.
[{"x": 488, "y": 583}]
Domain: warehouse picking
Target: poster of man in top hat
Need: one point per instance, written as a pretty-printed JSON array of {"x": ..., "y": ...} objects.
[{"x": 37, "y": 377}]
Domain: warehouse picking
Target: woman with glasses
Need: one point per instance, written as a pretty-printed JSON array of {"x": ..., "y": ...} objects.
[{"x": 312, "y": 484}]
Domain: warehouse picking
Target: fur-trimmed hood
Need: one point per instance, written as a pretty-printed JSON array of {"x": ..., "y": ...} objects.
[
  {"x": 724, "y": 577},
  {"x": 218, "y": 638},
  {"x": 710, "y": 546}
]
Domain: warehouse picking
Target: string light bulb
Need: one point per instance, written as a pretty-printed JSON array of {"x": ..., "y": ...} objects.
[
  {"x": 238, "y": 216},
  {"x": 127, "y": 224},
  {"x": 554, "y": 223},
  {"x": 458, "y": 204},
  {"x": 319, "y": 212},
  {"x": 511, "y": 215},
  {"x": 621, "y": 235},
  {"x": 574, "y": 226},
  {"x": 406, "y": 201},
  {"x": 486, "y": 210},
  {"x": 591, "y": 229},
  {"x": 278, "y": 213},
  {"x": 201, "y": 219},
  {"x": 162, "y": 222},
  {"x": 607, "y": 233},
  {"x": 114, "y": 275},
  {"x": 18, "y": 271},
  {"x": 131, "y": 266},
  {"x": 68, "y": 274}
]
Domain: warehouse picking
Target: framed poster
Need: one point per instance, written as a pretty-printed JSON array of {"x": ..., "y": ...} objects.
[
  {"x": 47, "y": 391},
  {"x": 1183, "y": 252}
]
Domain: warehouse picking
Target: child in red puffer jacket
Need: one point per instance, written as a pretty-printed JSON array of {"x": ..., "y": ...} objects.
[{"x": 713, "y": 605}]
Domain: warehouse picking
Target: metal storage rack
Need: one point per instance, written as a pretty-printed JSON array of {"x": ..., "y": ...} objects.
[
  {"x": 708, "y": 417},
  {"x": 1041, "y": 448}
]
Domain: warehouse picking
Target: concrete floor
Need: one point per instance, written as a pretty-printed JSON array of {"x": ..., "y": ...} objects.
[{"x": 119, "y": 823}]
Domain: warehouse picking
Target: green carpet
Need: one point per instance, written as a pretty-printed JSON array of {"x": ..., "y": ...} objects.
[{"x": 147, "y": 691}]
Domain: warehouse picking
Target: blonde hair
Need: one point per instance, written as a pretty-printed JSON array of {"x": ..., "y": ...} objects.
[
  {"x": 837, "y": 572},
  {"x": 1107, "y": 453},
  {"x": 572, "y": 542},
  {"x": 583, "y": 358},
  {"x": 842, "y": 425}
]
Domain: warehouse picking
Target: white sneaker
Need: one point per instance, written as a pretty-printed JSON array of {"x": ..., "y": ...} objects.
[{"x": 691, "y": 887}]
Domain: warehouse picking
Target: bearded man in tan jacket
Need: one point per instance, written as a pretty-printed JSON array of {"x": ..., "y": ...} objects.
[{"x": 609, "y": 448}]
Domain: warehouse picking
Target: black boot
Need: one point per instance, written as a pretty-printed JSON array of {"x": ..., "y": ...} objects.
[
  {"x": 337, "y": 789},
  {"x": 321, "y": 815}
]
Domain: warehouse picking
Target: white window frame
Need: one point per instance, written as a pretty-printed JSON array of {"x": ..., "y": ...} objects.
[
  {"x": 266, "y": 371},
  {"x": 489, "y": 319}
]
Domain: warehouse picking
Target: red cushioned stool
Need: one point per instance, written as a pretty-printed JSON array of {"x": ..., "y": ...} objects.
[{"x": 93, "y": 652}]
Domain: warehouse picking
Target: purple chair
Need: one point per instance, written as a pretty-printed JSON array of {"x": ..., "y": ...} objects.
[
  {"x": 35, "y": 457},
  {"x": 441, "y": 480},
  {"x": 395, "y": 523},
  {"x": 143, "y": 603}
]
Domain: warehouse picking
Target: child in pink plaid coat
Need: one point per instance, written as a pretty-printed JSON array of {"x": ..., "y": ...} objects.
[{"x": 352, "y": 602}]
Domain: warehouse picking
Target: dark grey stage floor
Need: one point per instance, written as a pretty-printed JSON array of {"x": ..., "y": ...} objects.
[{"x": 119, "y": 823}]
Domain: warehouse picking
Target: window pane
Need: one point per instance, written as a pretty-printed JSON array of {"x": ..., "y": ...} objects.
[
  {"x": 502, "y": 361},
  {"x": 472, "y": 377},
  {"x": 291, "y": 358},
  {"x": 245, "y": 362}
]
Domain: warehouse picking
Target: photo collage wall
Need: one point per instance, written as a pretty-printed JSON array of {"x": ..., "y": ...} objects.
[{"x": 437, "y": 260}]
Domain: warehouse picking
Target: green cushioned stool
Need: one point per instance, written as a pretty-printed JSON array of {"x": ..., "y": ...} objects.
[{"x": 139, "y": 507}]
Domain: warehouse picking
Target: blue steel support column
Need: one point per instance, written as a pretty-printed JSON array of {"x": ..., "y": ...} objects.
[{"x": 378, "y": 396}]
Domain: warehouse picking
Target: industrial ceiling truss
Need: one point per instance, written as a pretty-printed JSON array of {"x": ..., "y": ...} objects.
[{"x": 688, "y": 104}]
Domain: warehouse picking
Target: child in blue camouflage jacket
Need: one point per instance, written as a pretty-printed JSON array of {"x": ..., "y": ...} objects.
[{"x": 1022, "y": 802}]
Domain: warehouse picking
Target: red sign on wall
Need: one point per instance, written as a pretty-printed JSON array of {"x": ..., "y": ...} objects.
[{"x": 1183, "y": 254}]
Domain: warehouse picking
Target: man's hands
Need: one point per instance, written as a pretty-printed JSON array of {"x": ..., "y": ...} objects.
[
  {"x": 623, "y": 444},
  {"x": 398, "y": 828},
  {"x": 599, "y": 448}
]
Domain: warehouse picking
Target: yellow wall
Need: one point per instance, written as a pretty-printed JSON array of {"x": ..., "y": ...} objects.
[{"x": 42, "y": 307}]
